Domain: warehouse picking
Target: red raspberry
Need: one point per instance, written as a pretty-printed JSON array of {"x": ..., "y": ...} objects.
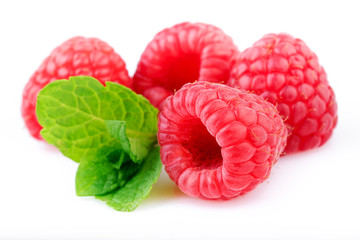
[
  {"x": 77, "y": 56},
  {"x": 284, "y": 71},
  {"x": 217, "y": 141},
  {"x": 183, "y": 53}
]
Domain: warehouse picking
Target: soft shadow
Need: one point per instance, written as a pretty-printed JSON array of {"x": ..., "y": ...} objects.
[
  {"x": 239, "y": 201},
  {"x": 42, "y": 144},
  {"x": 164, "y": 189},
  {"x": 48, "y": 147}
]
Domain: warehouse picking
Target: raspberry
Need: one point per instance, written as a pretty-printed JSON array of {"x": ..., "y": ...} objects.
[
  {"x": 77, "y": 56},
  {"x": 217, "y": 141},
  {"x": 284, "y": 71},
  {"x": 183, "y": 53}
]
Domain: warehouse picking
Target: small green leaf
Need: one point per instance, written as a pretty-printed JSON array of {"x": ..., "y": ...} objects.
[
  {"x": 73, "y": 114},
  {"x": 138, "y": 187},
  {"x": 127, "y": 171},
  {"x": 103, "y": 173},
  {"x": 117, "y": 129},
  {"x": 96, "y": 177},
  {"x": 137, "y": 144}
]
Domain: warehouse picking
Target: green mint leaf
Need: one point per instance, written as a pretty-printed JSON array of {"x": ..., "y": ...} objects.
[
  {"x": 110, "y": 130},
  {"x": 103, "y": 173},
  {"x": 128, "y": 197},
  {"x": 137, "y": 144},
  {"x": 127, "y": 171},
  {"x": 95, "y": 177},
  {"x": 73, "y": 114},
  {"x": 117, "y": 129}
]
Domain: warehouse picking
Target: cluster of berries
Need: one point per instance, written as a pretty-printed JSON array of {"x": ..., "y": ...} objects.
[{"x": 225, "y": 116}]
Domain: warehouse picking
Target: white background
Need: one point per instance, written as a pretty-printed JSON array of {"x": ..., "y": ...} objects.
[{"x": 310, "y": 195}]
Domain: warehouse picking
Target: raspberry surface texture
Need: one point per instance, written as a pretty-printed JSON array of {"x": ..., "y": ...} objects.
[
  {"x": 218, "y": 142},
  {"x": 181, "y": 54},
  {"x": 284, "y": 71},
  {"x": 77, "y": 56}
]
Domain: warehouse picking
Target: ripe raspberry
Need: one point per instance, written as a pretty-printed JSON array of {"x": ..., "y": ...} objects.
[
  {"x": 217, "y": 141},
  {"x": 77, "y": 56},
  {"x": 183, "y": 53},
  {"x": 284, "y": 71}
]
